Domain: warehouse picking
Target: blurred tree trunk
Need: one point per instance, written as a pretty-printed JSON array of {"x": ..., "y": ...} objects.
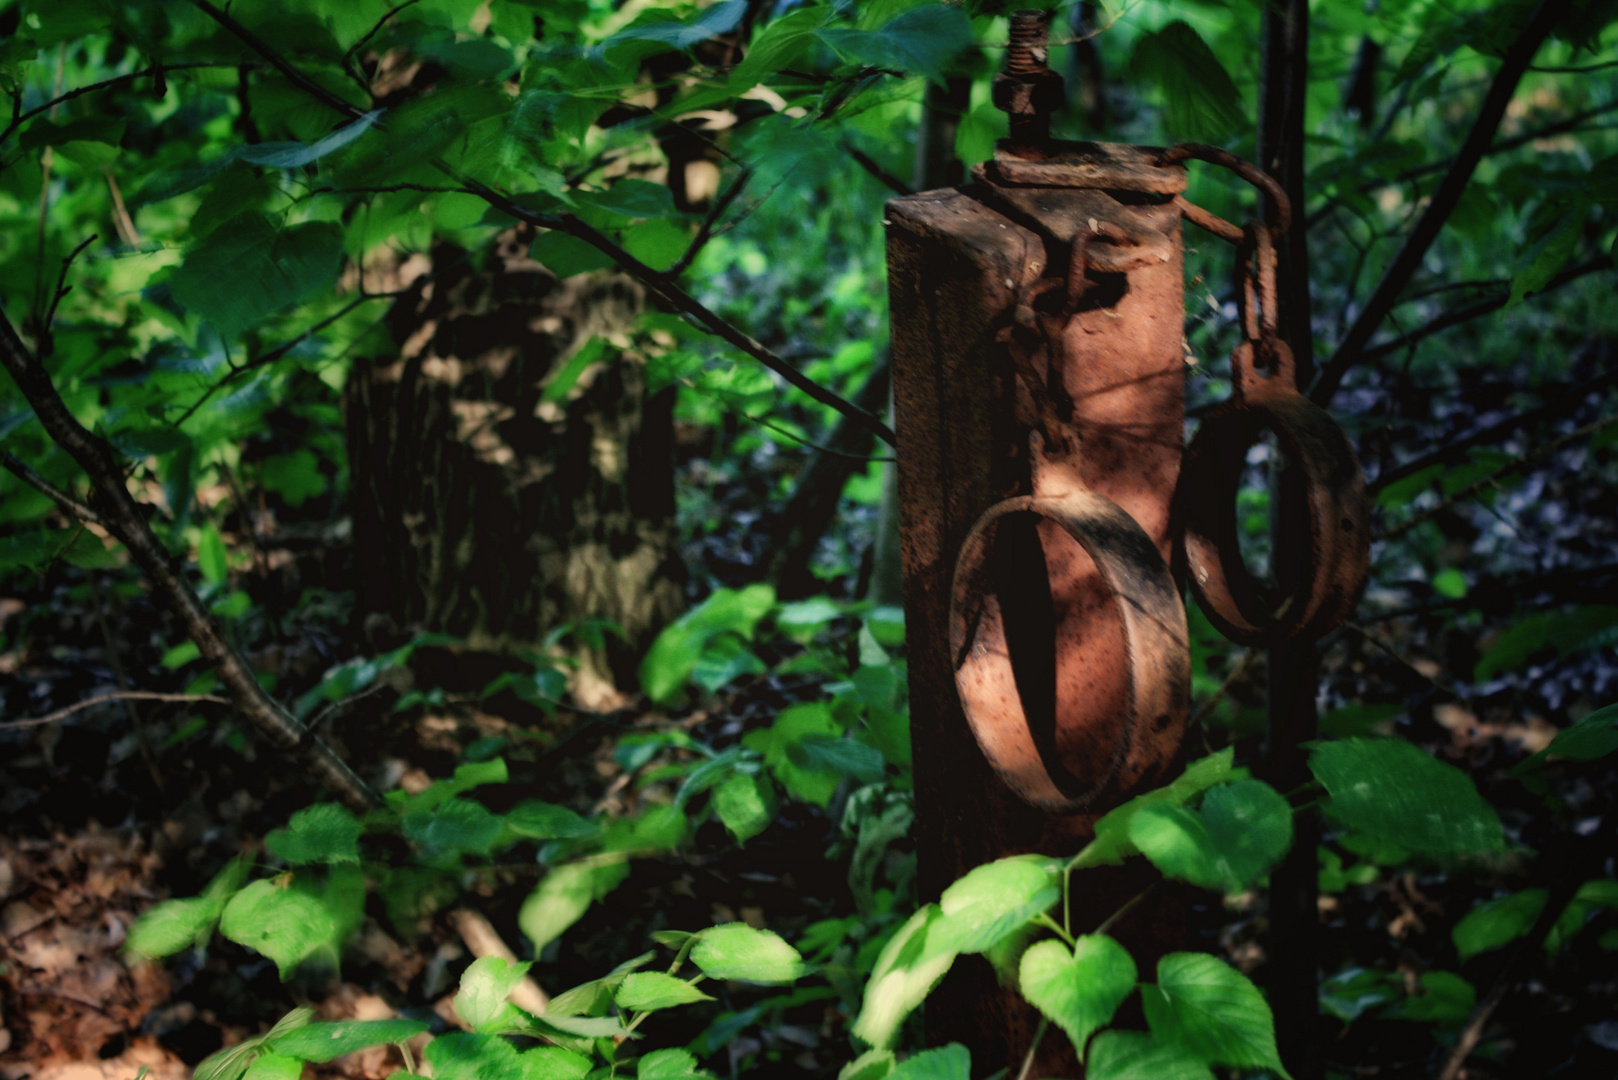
[{"x": 500, "y": 492}]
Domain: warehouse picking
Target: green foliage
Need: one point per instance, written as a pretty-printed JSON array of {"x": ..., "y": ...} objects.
[
  {"x": 1213, "y": 1011},
  {"x": 1392, "y": 790},
  {"x": 1078, "y": 989}
]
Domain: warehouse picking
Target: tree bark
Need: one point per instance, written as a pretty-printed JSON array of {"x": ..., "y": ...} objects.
[{"x": 502, "y": 490}]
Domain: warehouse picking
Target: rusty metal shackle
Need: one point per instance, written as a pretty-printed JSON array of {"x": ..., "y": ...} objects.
[
  {"x": 1280, "y": 207},
  {"x": 1130, "y": 567},
  {"x": 1327, "y": 581}
]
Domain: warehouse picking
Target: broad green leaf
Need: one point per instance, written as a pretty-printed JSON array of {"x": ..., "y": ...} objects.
[
  {"x": 594, "y": 998},
  {"x": 322, "y": 833},
  {"x": 631, "y": 198},
  {"x": 1135, "y": 1055},
  {"x": 212, "y": 559},
  {"x": 951, "y": 1062},
  {"x": 565, "y": 894},
  {"x": 905, "y": 972},
  {"x": 462, "y": 1056},
  {"x": 553, "y": 1063},
  {"x": 329, "y": 1040},
  {"x": 296, "y": 477},
  {"x": 777, "y": 45},
  {"x": 1078, "y": 990},
  {"x": 1178, "y": 843},
  {"x": 825, "y": 753},
  {"x": 456, "y": 825},
  {"x": 746, "y": 806},
  {"x": 1201, "y": 101},
  {"x": 1252, "y": 825},
  {"x": 564, "y": 254},
  {"x": 284, "y": 924},
  {"x": 1546, "y": 256},
  {"x": 249, "y": 268},
  {"x": 273, "y": 1066},
  {"x": 1497, "y": 922},
  {"x": 675, "y": 653},
  {"x": 644, "y": 991},
  {"x": 871, "y": 1065},
  {"x": 293, "y": 155},
  {"x": 779, "y": 742},
  {"x": 1349, "y": 994},
  {"x": 716, "y": 19},
  {"x": 543, "y": 821},
  {"x": 1213, "y": 1011},
  {"x": 1450, "y": 583},
  {"x": 924, "y": 40},
  {"x": 1444, "y": 998},
  {"x": 231, "y": 1062},
  {"x": 1112, "y": 844},
  {"x": 1594, "y": 736},
  {"x": 485, "y": 985},
  {"x": 670, "y": 1065},
  {"x": 737, "y": 951},
  {"x": 167, "y": 928},
  {"x": 1393, "y": 790},
  {"x": 994, "y": 900}
]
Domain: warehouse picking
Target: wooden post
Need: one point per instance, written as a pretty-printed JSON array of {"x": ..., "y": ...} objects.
[{"x": 958, "y": 260}]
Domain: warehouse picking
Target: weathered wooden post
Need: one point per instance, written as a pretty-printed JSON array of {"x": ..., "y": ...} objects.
[{"x": 1083, "y": 242}]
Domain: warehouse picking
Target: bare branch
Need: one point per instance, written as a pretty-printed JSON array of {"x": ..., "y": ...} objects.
[
  {"x": 296, "y": 77},
  {"x": 1444, "y": 200},
  {"x": 373, "y": 31},
  {"x": 705, "y": 231},
  {"x": 122, "y": 516},
  {"x": 102, "y": 699},
  {"x": 874, "y": 167},
  {"x": 67, "y": 502},
  {"x": 18, "y": 118}
]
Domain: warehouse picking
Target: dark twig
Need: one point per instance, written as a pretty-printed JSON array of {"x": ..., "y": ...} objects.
[
  {"x": 874, "y": 167},
  {"x": 62, "y": 287},
  {"x": 709, "y": 220},
  {"x": 354, "y": 49},
  {"x": 122, "y": 516},
  {"x": 39, "y": 483},
  {"x": 296, "y": 77},
  {"x": 102, "y": 699},
  {"x": 1444, "y": 199},
  {"x": 18, "y": 118},
  {"x": 1455, "y": 448},
  {"x": 1494, "y": 477}
]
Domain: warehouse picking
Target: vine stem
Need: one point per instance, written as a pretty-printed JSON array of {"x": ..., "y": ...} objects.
[
  {"x": 1033, "y": 1048},
  {"x": 1127, "y": 906},
  {"x": 1052, "y": 924}
]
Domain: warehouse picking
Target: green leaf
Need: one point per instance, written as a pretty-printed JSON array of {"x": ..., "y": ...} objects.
[
  {"x": 1450, "y": 583},
  {"x": 781, "y": 42},
  {"x": 1349, "y": 994},
  {"x": 924, "y": 40},
  {"x": 842, "y": 756},
  {"x": 1444, "y": 999},
  {"x": 1202, "y": 102},
  {"x": 647, "y": 990},
  {"x": 457, "y": 825},
  {"x": 463, "y": 1056},
  {"x": 565, "y": 254},
  {"x": 543, "y": 821},
  {"x": 248, "y": 268},
  {"x": 167, "y": 928},
  {"x": 212, "y": 559},
  {"x": 231, "y": 1062},
  {"x": 1546, "y": 256},
  {"x": 553, "y": 1063},
  {"x": 794, "y": 769},
  {"x": 737, "y": 951},
  {"x": 1178, "y": 843},
  {"x": 594, "y": 998},
  {"x": 871, "y": 1065},
  {"x": 284, "y": 924},
  {"x": 1497, "y": 922},
  {"x": 670, "y": 1065},
  {"x": 951, "y": 1062},
  {"x": 293, "y": 155},
  {"x": 675, "y": 653},
  {"x": 716, "y": 19},
  {"x": 906, "y": 970},
  {"x": 1212, "y": 1011},
  {"x": 272, "y": 1066},
  {"x": 330, "y": 1040},
  {"x": 1112, "y": 844},
  {"x": 1135, "y": 1055},
  {"x": 631, "y": 198},
  {"x": 296, "y": 477},
  {"x": 322, "y": 833},
  {"x": 746, "y": 806},
  {"x": 1392, "y": 790},
  {"x": 1252, "y": 825},
  {"x": 1078, "y": 990},
  {"x": 485, "y": 985},
  {"x": 566, "y": 893},
  {"x": 994, "y": 900}
]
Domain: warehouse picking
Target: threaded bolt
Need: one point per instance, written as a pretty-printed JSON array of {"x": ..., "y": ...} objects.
[{"x": 1028, "y": 51}]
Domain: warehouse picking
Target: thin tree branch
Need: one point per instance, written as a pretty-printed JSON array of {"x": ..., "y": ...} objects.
[
  {"x": 122, "y": 516},
  {"x": 1444, "y": 200},
  {"x": 709, "y": 220},
  {"x": 373, "y": 31},
  {"x": 39, "y": 483},
  {"x": 296, "y": 77},
  {"x": 874, "y": 167},
  {"x": 1466, "y": 314},
  {"x": 19, "y": 118},
  {"x": 102, "y": 699},
  {"x": 1450, "y": 451},
  {"x": 1504, "y": 470}
]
